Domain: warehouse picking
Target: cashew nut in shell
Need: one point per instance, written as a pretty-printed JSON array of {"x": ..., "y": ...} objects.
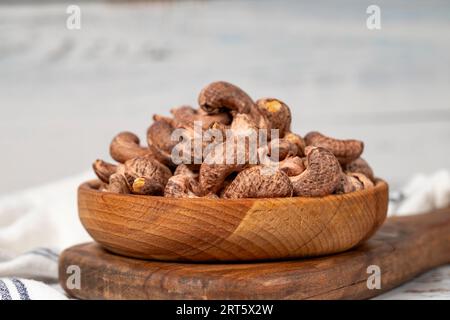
[
  {"x": 186, "y": 115},
  {"x": 360, "y": 166},
  {"x": 126, "y": 146},
  {"x": 241, "y": 157},
  {"x": 292, "y": 166},
  {"x": 276, "y": 114},
  {"x": 220, "y": 95},
  {"x": 298, "y": 141},
  {"x": 145, "y": 175},
  {"x": 348, "y": 184},
  {"x": 223, "y": 96},
  {"x": 118, "y": 184},
  {"x": 182, "y": 183},
  {"x": 159, "y": 140},
  {"x": 104, "y": 170},
  {"x": 259, "y": 182},
  {"x": 345, "y": 150},
  {"x": 363, "y": 179},
  {"x": 283, "y": 147},
  {"x": 322, "y": 174},
  {"x": 213, "y": 175}
]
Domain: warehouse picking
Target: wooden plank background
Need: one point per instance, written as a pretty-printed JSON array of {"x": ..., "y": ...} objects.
[{"x": 64, "y": 94}]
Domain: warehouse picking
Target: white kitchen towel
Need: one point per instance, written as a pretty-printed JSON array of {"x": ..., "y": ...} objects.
[
  {"x": 423, "y": 193},
  {"x": 36, "y": 224},
  {"x": 38, "y": 264}
]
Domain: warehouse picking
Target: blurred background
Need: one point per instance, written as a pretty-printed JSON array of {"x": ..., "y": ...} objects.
[{"x": 65, "y": 93}]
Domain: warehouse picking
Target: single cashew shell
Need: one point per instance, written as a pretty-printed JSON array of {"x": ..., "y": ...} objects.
[
  {"x": 345, "y": 150},
  {"x": 104, "y": 170},
  {"x": 153, "y": 175},
  {"x": 348, "y": 184},
  {"x": 220, "y": 95},
  {"x": 292, "y": 166},
  {"x": 126, "y": 146},
  {"x": 118, "y": 184},
  {"x": 360, "y": 166},
  {"x": 322, "y": 174},
  {"x": 259, "y": 182},
  {"x": 363, "y": 179},
  {"x": 186, "y": 116},
  {"x": 276, "y": 114}
]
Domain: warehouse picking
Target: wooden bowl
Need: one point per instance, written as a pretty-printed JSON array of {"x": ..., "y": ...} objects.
[{"x": 171, "y": 229}]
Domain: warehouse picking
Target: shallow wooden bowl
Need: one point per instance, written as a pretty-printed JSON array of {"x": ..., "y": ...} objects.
[{"x": 230, "y": 230}]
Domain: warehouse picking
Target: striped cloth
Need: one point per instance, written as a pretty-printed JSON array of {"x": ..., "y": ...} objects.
[
  {"x": 20, "y": 291},
  {"x": 24, "y": 289},
  {"x": 17, "y": 271},
  {"x": 35, "y": 225},
  {"x": 40, "y": 264}
]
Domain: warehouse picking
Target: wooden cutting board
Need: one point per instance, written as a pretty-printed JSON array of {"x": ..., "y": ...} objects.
[{"x": 402, "y": 249}]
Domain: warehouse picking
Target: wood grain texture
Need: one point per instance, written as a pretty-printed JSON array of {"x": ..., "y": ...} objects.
[
  {"x": 403, "y": 248},
  {"x": 170, "y": 229}
]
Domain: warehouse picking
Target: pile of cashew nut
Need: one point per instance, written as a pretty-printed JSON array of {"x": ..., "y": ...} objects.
[{"x": 311, "y": 166}]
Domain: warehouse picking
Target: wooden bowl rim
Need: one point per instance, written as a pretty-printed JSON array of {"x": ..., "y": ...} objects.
[{"x": 90, "y": 187}]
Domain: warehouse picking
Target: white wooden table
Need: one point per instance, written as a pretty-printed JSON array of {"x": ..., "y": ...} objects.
[{"x": 65, "y": 93}]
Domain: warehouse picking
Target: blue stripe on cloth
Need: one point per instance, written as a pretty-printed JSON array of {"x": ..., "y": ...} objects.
[
  {"x": 51, "y": 252},
  {"x": 4, "y": 292},
  {"x": 21, "y": 289},
  {"x": 45, "y": 254}
]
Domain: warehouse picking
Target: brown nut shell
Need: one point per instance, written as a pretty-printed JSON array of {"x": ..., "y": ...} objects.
[
  {"x": 186, "y": 116},
  {"x": 363, "y": 179},
  {"x": 298, "y": 141},
  {"x": 149, "y": 171},
  {"x": 344, "y": 150},
  {"x": 118, "y": 184},
  {"x": 159, "y": 135},
  {"x": 348, "y": 184},
  {"x": 220, "y": 95},
  {"x": 126, "y": 146},
  {"x": 145, "y": 186},
  {"x": 360, "y": 166},
  {"x": 104, "y": 170},
  {"x": 292, "y": 166},
  {"x": 322, "y": 174},
  {"x": 259, "y": 182},
  {"x": 276, "y": 114}
]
